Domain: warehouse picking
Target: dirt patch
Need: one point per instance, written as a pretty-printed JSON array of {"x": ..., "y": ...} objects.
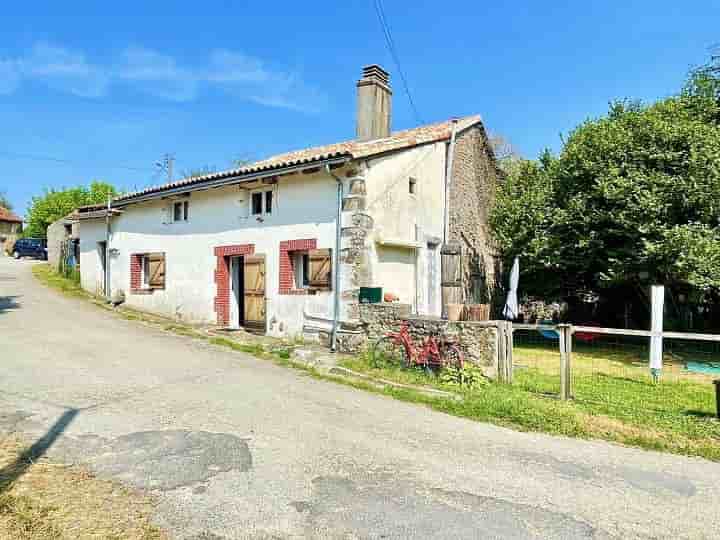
[{"x": 49, "y": 500}]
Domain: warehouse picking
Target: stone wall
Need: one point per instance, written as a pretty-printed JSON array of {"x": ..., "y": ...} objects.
[
  {"x": 56, "y": 236},
  {"x": 472, "y": 192},
  {"x": 478, "y": 340}
]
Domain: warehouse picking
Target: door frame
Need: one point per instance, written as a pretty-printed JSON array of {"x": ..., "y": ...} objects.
[
  {"x": 102, "y": 260},
  {"x": 236, "y": 265}
]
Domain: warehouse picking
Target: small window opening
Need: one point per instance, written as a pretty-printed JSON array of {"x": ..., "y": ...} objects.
[
  {"x": 153, "y": 270},
  {"x": 180, "y": 211},
  {"x": 261, "y": 203},
  {"x": 412, "y": 186},
  {"x": 257, "y": 203}
]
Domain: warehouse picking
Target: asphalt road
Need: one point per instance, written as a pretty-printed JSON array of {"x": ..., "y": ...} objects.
[{"x": 236, "y": 447}]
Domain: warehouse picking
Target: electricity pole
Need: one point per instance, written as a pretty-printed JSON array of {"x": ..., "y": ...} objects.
[{"x": 166, "y": 166}]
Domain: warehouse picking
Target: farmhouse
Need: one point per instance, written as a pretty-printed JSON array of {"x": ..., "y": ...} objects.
[
  {"x": 284, "y": 245},
  {"x": 10, "y": 228}
]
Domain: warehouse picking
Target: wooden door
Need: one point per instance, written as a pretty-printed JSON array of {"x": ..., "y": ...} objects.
[{"x": 254, "y": 294}]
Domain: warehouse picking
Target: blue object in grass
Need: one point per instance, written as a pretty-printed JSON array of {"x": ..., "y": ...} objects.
[
  {"x": 712, "y": 368},
  {"x": 549, "y": 334}
]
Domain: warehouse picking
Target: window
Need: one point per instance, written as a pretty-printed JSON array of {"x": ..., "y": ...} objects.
[
  {"x": 153, "y": 270},
  {"x": 412, "y": 186},
  {"x": 261, "y": 202},
  {"x": 180, "y": 211},
  {"x": 301, "y": 264},
  {"x": 311, "y": 269}
]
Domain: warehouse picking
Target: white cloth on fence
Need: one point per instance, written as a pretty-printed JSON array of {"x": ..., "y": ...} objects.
[{"x": 510, "y": 312}]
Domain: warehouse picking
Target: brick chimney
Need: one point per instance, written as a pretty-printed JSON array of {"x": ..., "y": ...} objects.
[{"x": 374, "y": 100}]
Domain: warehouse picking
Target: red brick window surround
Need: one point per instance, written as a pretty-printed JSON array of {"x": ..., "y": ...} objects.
[
  {"x": 287, "y": 270},
  {"x": 222, "y": 278},
  {"x": 136, "y": 273}
]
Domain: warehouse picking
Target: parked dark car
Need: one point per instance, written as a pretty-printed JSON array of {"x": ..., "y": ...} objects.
[{"x": 30, "y": 247}]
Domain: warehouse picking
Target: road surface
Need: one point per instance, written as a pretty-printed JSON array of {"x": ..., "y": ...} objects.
[{"x": 236, "y": 447}]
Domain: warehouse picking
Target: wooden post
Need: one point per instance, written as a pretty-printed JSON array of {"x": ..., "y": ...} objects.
[
  {"x": 565, "y": 331},
  {"x": 504, "y": 352},
  {"x": 509, "y": 352},
  {"x": 501, "y": 351},
  {"x": 657, "y": 295}
]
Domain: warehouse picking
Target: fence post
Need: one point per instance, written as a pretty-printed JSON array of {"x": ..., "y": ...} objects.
[
  {"x": 504, "y": 351},
  {"x": 657, "y": 296},
  {"x": 565, "y": 331},
  {"x": 509, "y": 352},
  {"x": 501, "y": 351}
]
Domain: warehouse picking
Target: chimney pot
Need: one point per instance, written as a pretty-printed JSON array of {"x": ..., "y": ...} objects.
[{"x": 374, "y": 102}]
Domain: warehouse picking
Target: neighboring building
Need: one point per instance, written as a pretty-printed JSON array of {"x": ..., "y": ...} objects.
[
  {"x": 257, "y": 246},
  {"x": 63, "y": 242},
  {"x": 10, "y": 228}
]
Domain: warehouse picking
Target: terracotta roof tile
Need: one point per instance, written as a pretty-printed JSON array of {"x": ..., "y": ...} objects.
[
  {"x": 351, "y": 149},
  {"x": 7, "y": 215}
]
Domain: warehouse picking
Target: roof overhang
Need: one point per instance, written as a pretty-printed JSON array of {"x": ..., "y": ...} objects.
[
  {"x": 231, "y": 179},
  {"x": 93, "y": 214}
]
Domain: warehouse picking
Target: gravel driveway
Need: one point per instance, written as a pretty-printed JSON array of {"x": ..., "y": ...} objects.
[{"x": 235, "y": 447}]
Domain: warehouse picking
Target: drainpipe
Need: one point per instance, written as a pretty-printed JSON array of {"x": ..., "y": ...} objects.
[
  {"x": 448, "y": 179},
  {"x": 107, "y": 249},
  {"x": 336, "y": 260}
]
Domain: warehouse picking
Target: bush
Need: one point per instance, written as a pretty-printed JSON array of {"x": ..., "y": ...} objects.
[{"x": 470, "y": 376}]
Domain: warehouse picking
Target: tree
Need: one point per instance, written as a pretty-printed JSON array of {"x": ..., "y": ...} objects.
[
  {"x": 633, "y": 197},
  {"x": 55, "y": 204},
  {"x": 4, "y": 201},
  {"x": 507, "y": 158}
]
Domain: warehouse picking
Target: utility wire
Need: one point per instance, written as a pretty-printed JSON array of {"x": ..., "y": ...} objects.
[
  {"x": 67, "y": 161},
  {"x": 393, "y": 52}
]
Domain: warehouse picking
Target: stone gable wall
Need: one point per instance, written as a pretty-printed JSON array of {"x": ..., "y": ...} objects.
[{"x": 472, "y": 192}]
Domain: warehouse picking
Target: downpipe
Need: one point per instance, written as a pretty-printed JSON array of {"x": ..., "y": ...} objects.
[{"x": 336, "y": 260}]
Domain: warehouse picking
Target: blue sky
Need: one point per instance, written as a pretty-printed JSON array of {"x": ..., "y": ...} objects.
[{"x": 111, "y": 87}]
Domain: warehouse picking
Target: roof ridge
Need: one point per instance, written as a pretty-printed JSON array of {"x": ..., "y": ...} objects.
[
  {"x": 397, "y": 140},
  {"x": 8, "y": 215}
]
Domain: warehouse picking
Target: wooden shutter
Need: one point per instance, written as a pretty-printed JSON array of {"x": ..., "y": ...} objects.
[
  {"x": 320, "y": 269},
  {"x": 156, "y": 270}
]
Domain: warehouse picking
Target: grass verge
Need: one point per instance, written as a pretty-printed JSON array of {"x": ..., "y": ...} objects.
[
  {"x": 50, "y": 501},
  {"x": 675, "y": 416},
  {"x": 606, "y": 409},
  {"x": 45, "y": 274}
]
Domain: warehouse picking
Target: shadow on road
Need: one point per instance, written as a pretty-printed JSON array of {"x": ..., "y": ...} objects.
[
  {"x": 10, "y": 473},
  {"x": 8, "y": 303}
]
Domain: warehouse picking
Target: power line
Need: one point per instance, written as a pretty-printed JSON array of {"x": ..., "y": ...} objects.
[
  {"x": 393, "y": 52},
  {"x": 66, "y": 161}
]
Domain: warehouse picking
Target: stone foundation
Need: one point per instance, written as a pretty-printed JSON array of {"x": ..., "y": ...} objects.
[{"x": 478, "y": 340}]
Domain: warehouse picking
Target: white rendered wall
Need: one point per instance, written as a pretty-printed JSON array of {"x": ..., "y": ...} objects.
[
  {"x": 400, "y": 216},
  {"x": 305, "y": 207},
  {"x": 91, "y": 274}
]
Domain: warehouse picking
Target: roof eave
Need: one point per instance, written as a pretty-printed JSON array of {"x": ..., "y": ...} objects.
[{"x": 232, "y": 179}]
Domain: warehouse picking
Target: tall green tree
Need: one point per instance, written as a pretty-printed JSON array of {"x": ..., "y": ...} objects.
[
  {"x": 633, "y": 196},
  {"x": 54, "y": 204}
]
